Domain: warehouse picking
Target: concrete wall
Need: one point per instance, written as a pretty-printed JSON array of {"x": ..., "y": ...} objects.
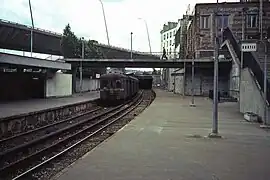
[
  {"x": 59, "y": 85},
  {"x": 171, "y": 80},
  {"x": 234, "y": 81},
  {"x": 251, "y": 99},
  {"x": 179, "y": 88},
  {"x": 203, "y": 83},
  {"x": 20, "y": 123},
  {"x": 87, "y": 84}
]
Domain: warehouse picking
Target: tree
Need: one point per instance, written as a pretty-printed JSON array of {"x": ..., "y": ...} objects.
[
  {"x": 71, "y": 46},
  {"x": 69, "y": 43}
]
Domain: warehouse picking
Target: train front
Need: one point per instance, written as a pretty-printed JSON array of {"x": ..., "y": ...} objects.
[{"x": 111, "y": 88}]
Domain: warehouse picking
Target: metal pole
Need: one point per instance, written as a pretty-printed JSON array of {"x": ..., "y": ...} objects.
[
  {"x": 215, "y": 103},
  {"x": 31, "y": 43},
  {"x": 265, "y": 84},
  {"x": 81, "y": 66},
  {"x": 192, "y": 79},
  {"x": 148, "y": 36},
  {"x": 261, "y": 18},
  {"x": 131, "y": 45},
  {"x": 242, "y": 53},
  {"x": 105, "y": 22}
]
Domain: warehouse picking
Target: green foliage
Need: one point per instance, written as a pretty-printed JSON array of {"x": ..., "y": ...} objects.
[{"x": 72, "y": 46}]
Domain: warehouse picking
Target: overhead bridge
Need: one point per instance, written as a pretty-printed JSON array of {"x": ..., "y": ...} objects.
[
  {"x": 16, "y": 36},
  {"x": 149, "y": 63}
]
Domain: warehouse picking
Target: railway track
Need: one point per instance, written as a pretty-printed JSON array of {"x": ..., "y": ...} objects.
[{"x": 22, "y": 161}]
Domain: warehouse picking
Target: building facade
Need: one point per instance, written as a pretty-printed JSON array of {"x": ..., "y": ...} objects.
[
  {"x": 167, "y": 43},
  {"x": 201, "y": 31},
  {"x": 168, "y": 38}
]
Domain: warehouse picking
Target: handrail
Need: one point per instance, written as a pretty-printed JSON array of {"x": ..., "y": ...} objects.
[
  {"x": 124, "y": 49},
  {"x": 29, "y": 27},
  {"x": 248, "y": 60}
]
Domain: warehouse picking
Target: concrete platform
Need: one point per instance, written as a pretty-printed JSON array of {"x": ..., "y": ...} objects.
[
  {"x": 166, "y": 142},
  {"x": 27, "y": 106}
]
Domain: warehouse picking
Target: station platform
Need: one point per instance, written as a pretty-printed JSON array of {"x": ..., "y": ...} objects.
[
  {"x": 169, "y": 141},
  {"x": 26, "y": 106}
]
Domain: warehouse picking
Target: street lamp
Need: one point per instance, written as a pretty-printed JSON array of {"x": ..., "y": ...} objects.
[
  {"x": 214, "y": 132},
  {"x": 105, "y": 21},
  {"x": 192, "y": 104},
  {"x": 81, "y": 64},
  {"x": 146, "y": 26},
  {"x": 131, "y": 45},
  {"x": 31, "y": 43}
]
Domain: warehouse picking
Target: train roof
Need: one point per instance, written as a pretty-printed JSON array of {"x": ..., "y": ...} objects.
[
  {"x": 144, "y": 76},
  {"x": 112, "y": 76}
]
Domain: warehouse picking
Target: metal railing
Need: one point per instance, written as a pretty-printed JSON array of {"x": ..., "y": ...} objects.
[
  {"x": 124, "y": 49},
  {"x": 248, "y": 61},
  {"x": 29, "y": 27}
]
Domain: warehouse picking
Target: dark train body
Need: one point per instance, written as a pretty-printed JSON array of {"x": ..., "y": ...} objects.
[{"x": 116, "y": 88}]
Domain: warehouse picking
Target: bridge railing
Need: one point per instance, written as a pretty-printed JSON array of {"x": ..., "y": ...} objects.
[
  {"x": 124, "y": 49},
  {"x": 248, "y": 60},
  {"x": 29, "y": 27}
]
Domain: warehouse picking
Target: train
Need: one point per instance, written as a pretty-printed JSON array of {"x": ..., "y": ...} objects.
[{"x": 116, "y": 88}]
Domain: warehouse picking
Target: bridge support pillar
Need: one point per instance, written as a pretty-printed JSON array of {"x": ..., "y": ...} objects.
[{"x": 74, "y": 73}]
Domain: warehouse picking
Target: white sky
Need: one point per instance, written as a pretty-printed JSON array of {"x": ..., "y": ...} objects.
[{"x": 86, "y": 19}]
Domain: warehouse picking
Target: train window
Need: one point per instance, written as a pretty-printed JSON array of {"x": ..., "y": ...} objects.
[
  {"x": 118, "y": 84},
  {"x": 104, "y": 83}
]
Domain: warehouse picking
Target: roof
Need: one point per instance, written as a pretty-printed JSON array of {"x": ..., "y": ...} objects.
[
  {"x": 112, "y": 76},
  {"x": 33, "y": 62}
]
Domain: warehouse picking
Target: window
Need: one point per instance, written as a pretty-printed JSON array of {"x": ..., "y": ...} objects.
[
  {"x": 170, "y": 42},
  {"x": 164, "y": 36},
  {"x": 167, "y": 43},
  {"x": 170, "y": 34},
  {"x": 252, "y": 20},
  {"x": 204, "y": 22},
  {"x": 167, "y": 35},
  {"x": 223, "y": 21},
  {"x": 118, "y": 84}
]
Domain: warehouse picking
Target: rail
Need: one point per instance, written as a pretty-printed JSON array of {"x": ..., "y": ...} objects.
[
  {"x": 71, "y": 137},
  {"x": 248, "y": 61}
]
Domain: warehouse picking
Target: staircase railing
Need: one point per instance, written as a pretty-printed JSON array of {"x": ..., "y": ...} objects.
[{"x": 249, "y": 61}]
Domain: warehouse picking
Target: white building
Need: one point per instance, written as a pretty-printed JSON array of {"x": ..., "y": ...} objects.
[
  {"x": 168, "y": 43},
  {"x": 168, "y": 38}
]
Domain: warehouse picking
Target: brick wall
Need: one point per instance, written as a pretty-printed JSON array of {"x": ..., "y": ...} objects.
[{"x": 204, "y": 37}]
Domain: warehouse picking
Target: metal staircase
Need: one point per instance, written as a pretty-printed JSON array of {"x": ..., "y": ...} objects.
[{"x": 252, "y": 60}]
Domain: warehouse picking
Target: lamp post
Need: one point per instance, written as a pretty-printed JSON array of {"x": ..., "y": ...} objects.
[
  {"x": 192, "y": 104},
  {"x": 131, "y": 45},
  {"x": 148, "y": 36},
  {"x": 214, "y": 132},
  {"x": 31, "y": 41},
  {"x": 81, "y": 66},
  {"x": 265, "y": 123},
  {"x": 105, "y": 21}
]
